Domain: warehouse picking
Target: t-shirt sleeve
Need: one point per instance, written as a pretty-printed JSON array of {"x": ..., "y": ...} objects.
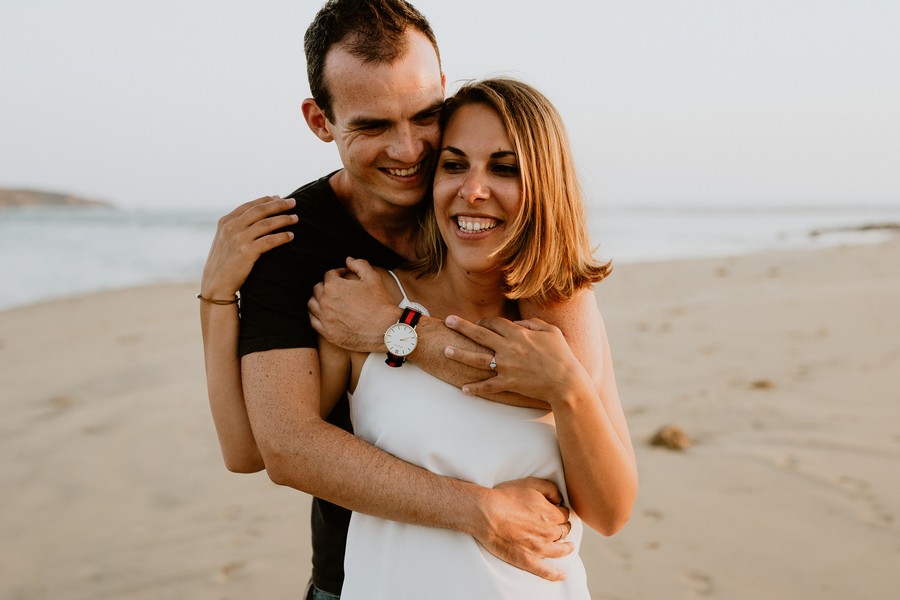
[{"x": 273, "y": 301}]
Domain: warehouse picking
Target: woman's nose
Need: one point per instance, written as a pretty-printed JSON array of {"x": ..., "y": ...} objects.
[{"x": 474, "y": 188}]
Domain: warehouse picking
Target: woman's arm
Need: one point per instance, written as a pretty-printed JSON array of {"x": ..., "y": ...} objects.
[
  {"x": 536, "y": 359},
  {"x": 241, "y": 237}
]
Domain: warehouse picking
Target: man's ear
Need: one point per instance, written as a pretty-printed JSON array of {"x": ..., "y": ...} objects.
[
  {"x": 316, "y": 120},
  {"x": 443, "y": 84}
]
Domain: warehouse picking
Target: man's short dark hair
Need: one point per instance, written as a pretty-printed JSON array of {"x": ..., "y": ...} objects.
[{"x": 372, "y": 30}]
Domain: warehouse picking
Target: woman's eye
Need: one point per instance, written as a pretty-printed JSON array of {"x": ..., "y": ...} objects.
[
  {"x": 452, "y": 166},
  {"x": 507, "y": 170}
]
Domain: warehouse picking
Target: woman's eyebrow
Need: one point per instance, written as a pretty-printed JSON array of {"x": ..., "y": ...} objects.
[{"x": 498, "y": 154}]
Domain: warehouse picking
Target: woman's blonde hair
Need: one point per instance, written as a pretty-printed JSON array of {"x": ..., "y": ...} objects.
[{"x": 547, "y": 255}]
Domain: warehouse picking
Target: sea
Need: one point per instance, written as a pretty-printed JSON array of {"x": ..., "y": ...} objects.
[{"x": 48, "y": 253}]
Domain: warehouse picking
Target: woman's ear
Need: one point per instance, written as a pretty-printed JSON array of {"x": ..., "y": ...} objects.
[{"x": 316, "y": 120}]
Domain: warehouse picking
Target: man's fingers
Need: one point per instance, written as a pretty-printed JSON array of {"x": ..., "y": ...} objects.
[
  {"x": 331, "y": 275},
  {"x": 361, "y": 267},
  {"x": 550, "y": 491},
  {"x": 545, "y": 571},
  {"x": 559, "y": 549},
  {"x": 312, "y": 305}
]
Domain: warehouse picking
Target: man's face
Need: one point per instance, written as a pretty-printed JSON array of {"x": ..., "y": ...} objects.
[{"x": 386, "y": 122}]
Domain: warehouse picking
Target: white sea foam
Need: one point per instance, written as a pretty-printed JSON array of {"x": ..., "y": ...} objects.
[{"x": 48, "y": 253}]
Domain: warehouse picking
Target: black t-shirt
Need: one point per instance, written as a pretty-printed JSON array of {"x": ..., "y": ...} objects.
[{"x": 274, "y": 316}]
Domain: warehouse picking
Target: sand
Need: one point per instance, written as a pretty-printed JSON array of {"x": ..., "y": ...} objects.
[{"x": 783, "y": 370}]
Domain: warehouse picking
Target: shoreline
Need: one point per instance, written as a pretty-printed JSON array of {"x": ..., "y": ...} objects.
[
  {"x": 862, "y": 235},
  {"x": 780, "y": 366}
]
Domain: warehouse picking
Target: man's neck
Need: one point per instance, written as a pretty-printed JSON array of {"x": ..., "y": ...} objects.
[{"x": 394, "y": 226}]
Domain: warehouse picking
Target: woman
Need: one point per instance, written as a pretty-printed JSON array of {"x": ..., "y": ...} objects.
[
  {"x": 505, "y": 199},
  {"x": 503, "y": 195}
]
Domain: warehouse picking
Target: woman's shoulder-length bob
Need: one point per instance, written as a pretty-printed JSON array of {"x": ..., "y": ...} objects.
[{"x": 547, "y": 255}]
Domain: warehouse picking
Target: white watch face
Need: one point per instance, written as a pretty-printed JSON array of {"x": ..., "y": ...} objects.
[{"x": 400, "y": 339}]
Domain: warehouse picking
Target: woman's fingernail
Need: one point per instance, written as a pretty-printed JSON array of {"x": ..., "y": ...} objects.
[
  {"x": 448, "y": 351},
  {"x": 450, "y": 321}
]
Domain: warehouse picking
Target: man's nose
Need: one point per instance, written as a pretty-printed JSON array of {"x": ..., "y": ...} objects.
[{"x": 406, "y": 145}]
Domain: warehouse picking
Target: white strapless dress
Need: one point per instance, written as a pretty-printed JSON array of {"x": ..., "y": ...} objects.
[{"x": 429, "y": 423}]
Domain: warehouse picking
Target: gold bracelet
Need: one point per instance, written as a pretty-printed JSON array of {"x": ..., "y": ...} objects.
[{"x": 219, "y": 302}]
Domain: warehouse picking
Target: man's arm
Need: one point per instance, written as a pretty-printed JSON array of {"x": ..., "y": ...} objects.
[
  {"x": 352, "y": 309},
  {"x": 518, "y": 522}
]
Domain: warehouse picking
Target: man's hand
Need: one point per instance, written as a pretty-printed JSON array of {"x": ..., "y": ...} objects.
[
  {"x": 352, "y": 309},
  {"x": 525, "y": 525},
  {"x": 241, "y": 237}
]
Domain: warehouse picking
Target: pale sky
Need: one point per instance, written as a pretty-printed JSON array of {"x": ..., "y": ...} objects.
[{"x": 196, "y": 103}]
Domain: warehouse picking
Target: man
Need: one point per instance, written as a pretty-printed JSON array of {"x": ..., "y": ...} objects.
[{"x": 377, "y": 88}]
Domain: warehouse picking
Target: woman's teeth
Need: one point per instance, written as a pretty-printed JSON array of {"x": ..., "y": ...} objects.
[{"x": 472, "y": 225}]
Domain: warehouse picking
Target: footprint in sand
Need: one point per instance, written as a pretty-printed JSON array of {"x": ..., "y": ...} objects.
[
  {"x": 652, "y": 514},
  {"x": 699, "y": 583},
  {"x": 859, "y": 489},
  {"x": 61, "y": 402},
  {"x": 130, "y": 339},
  {"x": 762, "y": 384},
  {"x": 229, "y": 570}
]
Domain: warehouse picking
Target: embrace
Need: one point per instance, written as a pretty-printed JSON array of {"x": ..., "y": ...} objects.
[{"x": 418, "y": 340}]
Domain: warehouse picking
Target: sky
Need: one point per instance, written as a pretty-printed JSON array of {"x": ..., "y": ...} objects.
[{"x": 195, "y": 104}]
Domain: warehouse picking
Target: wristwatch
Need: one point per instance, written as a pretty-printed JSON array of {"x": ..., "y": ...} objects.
[{"x": 401, "y": 338}]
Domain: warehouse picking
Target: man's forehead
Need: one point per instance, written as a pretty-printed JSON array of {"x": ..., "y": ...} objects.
[
  {"x": 385, "y": 92},
  {"x": 415, "y": 73}
]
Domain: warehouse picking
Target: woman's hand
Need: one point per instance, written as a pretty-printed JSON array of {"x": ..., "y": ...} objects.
[
  {"x": 241, "y": 237},
  {"x": 529, "y": 357}
]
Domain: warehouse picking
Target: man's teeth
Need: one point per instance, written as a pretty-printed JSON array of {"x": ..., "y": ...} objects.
[
  {"x": 470, "y": 225},
  {"x": 405, "y": 172}
]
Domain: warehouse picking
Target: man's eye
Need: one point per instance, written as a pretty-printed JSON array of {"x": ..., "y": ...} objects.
[
  {"x": 428, "y": 119},
  {"x": 371, "y": 129}
]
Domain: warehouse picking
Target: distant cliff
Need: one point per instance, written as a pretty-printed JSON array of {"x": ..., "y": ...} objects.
[{"x": 10, "y": 198}]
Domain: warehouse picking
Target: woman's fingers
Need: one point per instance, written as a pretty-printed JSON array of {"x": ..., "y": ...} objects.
[
  {"x": 477, "y": 333},
  {"x": 479, "y": 360}
]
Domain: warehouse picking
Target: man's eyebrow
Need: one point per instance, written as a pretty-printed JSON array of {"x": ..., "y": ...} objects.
[{"x": 363, "y": 122}]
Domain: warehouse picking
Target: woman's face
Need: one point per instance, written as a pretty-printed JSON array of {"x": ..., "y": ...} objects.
[{"x": 477, "y": 187}]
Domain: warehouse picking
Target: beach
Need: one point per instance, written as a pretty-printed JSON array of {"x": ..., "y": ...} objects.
[{"x": 781, "y": 368}]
